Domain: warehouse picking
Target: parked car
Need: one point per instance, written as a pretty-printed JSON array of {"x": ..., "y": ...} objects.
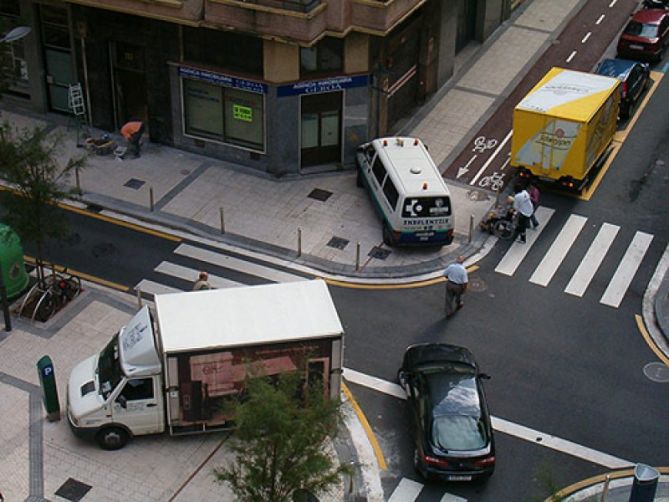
[
  {"x": 635, "y": 77},
  {"x": 449, "y": 414},
  {"x": 646, "y": 35},
  {"x": 656, "y": 4}
]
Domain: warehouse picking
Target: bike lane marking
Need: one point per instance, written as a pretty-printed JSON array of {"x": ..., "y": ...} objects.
[{"x": 491, "y": 158}]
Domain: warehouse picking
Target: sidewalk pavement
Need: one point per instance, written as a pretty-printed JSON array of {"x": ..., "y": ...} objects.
[
  {"x": 194, "y": 194},
  {"x": 618, "y": 490}
]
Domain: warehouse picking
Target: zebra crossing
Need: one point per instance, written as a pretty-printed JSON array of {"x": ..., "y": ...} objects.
[
  {"x": 173, "y": 277},
  {"x": 590, "y": 263},
  {"x": 409, "y": 490}
]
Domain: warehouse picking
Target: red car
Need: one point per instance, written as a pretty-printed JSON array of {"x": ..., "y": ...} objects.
[{"x": 646, "y": 36}]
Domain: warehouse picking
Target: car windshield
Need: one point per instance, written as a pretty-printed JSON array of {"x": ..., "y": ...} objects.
[
  {"x": 459, "y": 433},
  {"x": 426, "y": 207},
  {"x": 641, "y": 30},
  {"x": 109, "y": 368}
]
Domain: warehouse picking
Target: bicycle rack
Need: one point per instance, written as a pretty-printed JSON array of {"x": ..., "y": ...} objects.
[{"x": 45, "y": 294}]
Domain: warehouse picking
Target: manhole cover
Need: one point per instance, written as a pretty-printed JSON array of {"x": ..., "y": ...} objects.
[
  {"x": 319, "y": 194},
  {"x": 134, "y": 183},
  {"x": 476, "y": 284},
  {"x": 338, "y": 243},
  {"x": 379, "y": 253},
  {"x": 73, "y": 490},
  {"x": 94, "y": 208},
  {"x": 478, "y": 195},
  {"x": 657, "y": 372}
]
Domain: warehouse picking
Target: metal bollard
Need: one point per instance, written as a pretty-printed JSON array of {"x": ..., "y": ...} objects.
[
  {"x": 357, "y": 256},
  {"x": 299, "y": 241},
  {"x": 645, "y": 483},
  {"x": 139, "y": 298},
  {"x": 605, "y": 489},
  {"x": 471, "y": 227},
  {"x": 222, "y": 220},
  {"x": 151, "y": 198},
  {"x": 77, "y": 180}
]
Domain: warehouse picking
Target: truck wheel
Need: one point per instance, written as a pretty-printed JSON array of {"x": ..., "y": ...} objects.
[{"x": 112, "y": 438}]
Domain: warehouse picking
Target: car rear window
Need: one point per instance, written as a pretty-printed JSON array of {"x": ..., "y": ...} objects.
[
  {"x": 426, "y": 207},
  {"x": 459, "y": 433},
  {"x": 641, "y": 30}
]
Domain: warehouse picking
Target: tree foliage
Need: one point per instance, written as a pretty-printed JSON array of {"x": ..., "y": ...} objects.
[
  {"x": 29, "y": 163},
  {"x": 280, "y": 438}
]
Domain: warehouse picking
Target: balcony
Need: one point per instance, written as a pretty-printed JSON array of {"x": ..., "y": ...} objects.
[
  {"x": 380, "y": 16},
  {"x": 189, "y": 11},
  {"x": 291, "y": 5}
]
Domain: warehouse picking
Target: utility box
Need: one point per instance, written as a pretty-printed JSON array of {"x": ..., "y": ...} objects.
[
  {"x": 12, "y": 267},
  {"x": 47, "y": 379}
]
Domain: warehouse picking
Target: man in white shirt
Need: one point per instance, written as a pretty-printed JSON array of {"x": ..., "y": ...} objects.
[
  {"x": 522, "y": 204},
  {"x": 456, "y": 284}
]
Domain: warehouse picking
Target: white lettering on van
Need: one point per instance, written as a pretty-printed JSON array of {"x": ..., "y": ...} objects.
[{"x": 425, "y": 221}]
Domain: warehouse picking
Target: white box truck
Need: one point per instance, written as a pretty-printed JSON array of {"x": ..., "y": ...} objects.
[{"x": 182, "y": 369}]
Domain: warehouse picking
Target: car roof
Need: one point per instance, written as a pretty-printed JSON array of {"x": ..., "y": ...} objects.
[
  {"x": 649, "y": 16},
  {"x": 435, "y": 353},
  {"x": 614, "y": 67}
]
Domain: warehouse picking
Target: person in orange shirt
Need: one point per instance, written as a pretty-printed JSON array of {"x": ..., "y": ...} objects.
[{"x": 132, "y": 131}]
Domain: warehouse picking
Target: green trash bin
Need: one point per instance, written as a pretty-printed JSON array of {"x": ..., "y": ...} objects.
[
  {"x": 12, "y": 266},
  {"x": 47, "y": 378}
]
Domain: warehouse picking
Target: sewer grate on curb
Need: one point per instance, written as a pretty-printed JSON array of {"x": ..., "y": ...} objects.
[
  {"x": 338, "y": 243},
  {"x": 319, "y": 194},
  {"x": 94, "y": 208},
  {"x": 379, "y": 253},
  {"x": 134, "y": 183},
  {"x": 73, "y": 490}
]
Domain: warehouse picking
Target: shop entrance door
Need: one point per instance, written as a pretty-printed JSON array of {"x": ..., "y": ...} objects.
[
  {"x": 59, "y": 69},
  {"x": 466, "y": 29},
  {"x": 129, "y": 83},
  {"x": 321, "y": 129}
]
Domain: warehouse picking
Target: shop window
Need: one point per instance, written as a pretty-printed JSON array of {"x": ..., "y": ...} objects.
[
  {"x": 10, "y": 8},
  {"x": 230, "y": 51},
  {"x": 55, "y": 27},
  {"x": 223, "y": 114},
  {"x": 325, "y": 57}
]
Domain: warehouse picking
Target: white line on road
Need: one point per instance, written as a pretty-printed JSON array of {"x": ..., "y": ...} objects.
[
  {"x": 571, "y": 56},
  {"x": 492, "y": 157},
  {"x": 189, "y": 274},
  {"x": 506, "y": 427},
  {"x": 601, "y": 18},
  {"x": 586, "y": 37},
  {"x": 406, "y": 491},
  {"x": 593, "y": 259},
  {"x": 506, "y": 163},
  {"x": 626, "y": 270},
  {"x": 555, "y": 255},
  {"x": 463, "y": 170},
  {"x": 449, "y": 497},
  {"x": 613, "y": 2},
  {"x": 517, "y": 252},
  {"x": 154, "y": 288}
]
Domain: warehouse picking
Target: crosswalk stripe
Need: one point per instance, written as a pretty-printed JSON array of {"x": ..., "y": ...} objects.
[
  {"x": 593, "y": 259},
  {"x": 190, "y": 274},
  {"x": 449, "y": 497},
  {"x": 561, "y": 245},
  {"x": 230, "y": 262},
  {"x": 517, "y": 252},
  {"x": 154, "y": 288},
  {"x": 626, "y": 269},
  {"x": 406, "y": 491}
]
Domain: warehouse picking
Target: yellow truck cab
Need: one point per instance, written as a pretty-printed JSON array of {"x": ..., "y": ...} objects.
[{"x": 563, "y": 127}]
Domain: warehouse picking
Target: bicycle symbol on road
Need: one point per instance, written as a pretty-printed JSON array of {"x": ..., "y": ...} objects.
[
  {"x": 495, "y": 181},
  {"x": 481, "y": 144}
]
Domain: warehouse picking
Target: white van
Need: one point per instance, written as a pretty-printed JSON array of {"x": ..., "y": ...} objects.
[{"x": 408, "y": 191}]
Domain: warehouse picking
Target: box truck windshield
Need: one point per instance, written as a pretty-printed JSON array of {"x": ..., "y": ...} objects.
[{"x": 109, "y": 368}]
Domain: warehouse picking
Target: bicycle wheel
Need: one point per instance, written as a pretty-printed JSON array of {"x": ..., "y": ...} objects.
[
  {"x": 504, "y": 229},
  {"x": 46, "y": 307}
]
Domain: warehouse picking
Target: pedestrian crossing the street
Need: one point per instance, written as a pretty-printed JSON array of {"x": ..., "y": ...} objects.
[
  {"x": 225, "y": 271},
  {"x": 591, "y": 262}
]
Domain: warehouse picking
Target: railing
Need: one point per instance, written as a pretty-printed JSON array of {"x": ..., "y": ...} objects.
[{"x": 293, "y": 5}]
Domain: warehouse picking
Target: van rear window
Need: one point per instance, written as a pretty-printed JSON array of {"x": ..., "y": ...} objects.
[{"x": 426, "y": 207}]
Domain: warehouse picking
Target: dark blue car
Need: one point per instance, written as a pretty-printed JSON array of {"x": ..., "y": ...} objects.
[{"x": 634, "y": 76}]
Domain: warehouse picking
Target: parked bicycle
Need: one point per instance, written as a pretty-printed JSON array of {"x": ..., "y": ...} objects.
[{"x": 56, "y": 291}]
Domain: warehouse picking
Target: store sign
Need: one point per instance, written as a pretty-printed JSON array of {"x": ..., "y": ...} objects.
[
  {"x": 243, "y": 113},
  {"x": 325, "y": 85},
  {"x": 224, "y": 80}
]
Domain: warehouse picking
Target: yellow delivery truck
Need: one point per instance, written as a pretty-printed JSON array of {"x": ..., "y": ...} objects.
[{"x": 563, "y": 128}]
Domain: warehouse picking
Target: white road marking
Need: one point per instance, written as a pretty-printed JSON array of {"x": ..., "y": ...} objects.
[
  {"x": 506, "y": 427},
  {"x": 490, "y": 159},
  {"x": 613, "y": 2},
  {"x": 230, "y": 262},
  {"x": 154, "y": 288},
  {"x": 626, "y": 270},
  {"x": 406, "y": 491},
  {"x": 559, "y": 444},
  {"x": 592, "y": 260},
  {"x": 449, "y": 497},
  {"x": 586, "y": 37},
  {"x": 601, "y": 18},
  {"x": 190, "y": 274},
  {"x": 571, "y": 56},
  {"x": 506, "y": 163},
  {"x": 558, "y": 250},
  {"x": 517, "y": 252},
  {"x": 463, "y": 170}
]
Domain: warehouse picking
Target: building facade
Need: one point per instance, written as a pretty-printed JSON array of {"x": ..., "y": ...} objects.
[{"x": 285, "y": 87}]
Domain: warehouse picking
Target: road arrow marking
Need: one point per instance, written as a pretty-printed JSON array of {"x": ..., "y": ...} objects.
[{"x": 463, "y": 170}]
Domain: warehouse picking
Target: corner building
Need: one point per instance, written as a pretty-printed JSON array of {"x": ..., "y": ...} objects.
[{"x": 284, "y": 87}]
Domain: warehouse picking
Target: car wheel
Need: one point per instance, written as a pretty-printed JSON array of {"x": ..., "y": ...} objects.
[
  {"x": 387, "y": 236},
  {"x": 112, "y": 438}
]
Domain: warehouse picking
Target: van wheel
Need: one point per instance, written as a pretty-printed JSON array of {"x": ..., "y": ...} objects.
[
  {"x": 112, "y": 438},
  {"x": 358, "y": 179},
  {"x": 387, "y": 236}
]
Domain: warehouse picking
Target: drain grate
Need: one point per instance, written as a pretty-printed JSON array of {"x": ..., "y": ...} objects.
[
  {"x": 94, "y": 208},
  {"x": 338, "y": 243},
  {"x": 379, "y": 253},
  {"x": 134, "y": 183},
  {"x": 73, "y": 490},
  {"x": 319, "y": 194}
]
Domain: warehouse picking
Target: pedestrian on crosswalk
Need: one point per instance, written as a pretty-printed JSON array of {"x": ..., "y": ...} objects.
[
  {"x": 202, "y": 282},
  {"x": 456, "y": 285},
  {"x": 533, "y": 190},
  {"x": 522, "y": 204}
]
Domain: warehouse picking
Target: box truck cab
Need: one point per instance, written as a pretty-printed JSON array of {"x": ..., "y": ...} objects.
[{"x": 183, "y": 369}]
